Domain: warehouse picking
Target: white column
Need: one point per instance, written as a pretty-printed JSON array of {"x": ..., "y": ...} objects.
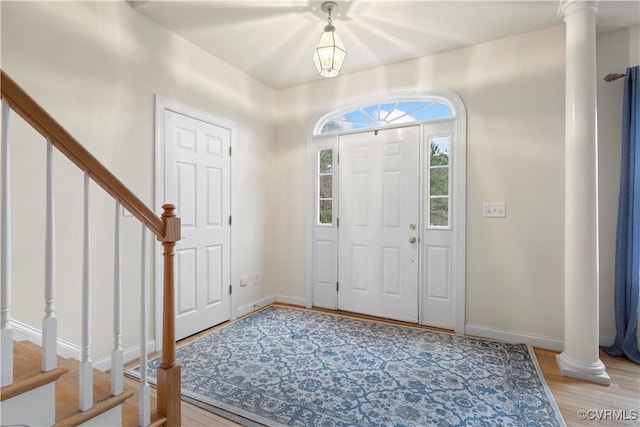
[
  {"x": 6, "y": 332},
  {"x": 580, "y": 358}
]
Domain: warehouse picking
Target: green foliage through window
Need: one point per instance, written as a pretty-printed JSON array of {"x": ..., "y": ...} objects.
[
  {"x": 439, "y": 168},
  {"x": 325, "y": 186}
]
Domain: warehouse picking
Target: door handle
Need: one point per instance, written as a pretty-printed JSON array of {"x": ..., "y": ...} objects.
[{"x": 412, "y": 239}]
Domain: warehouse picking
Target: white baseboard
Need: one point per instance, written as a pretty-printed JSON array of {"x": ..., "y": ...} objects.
[
  {"x": 22, "y": 331},
  {"x": 132, "y": 353},
  {"x": 606, "y": 341},
  {"x": 249, "y": 308},
  {"x": 516, "y": 337},
  {"x": 291, "y": 300},
  {"x": 540, "y": 341}
]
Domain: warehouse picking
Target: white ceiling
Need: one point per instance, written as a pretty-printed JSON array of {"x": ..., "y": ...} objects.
[{"x": 273, "y": 41}]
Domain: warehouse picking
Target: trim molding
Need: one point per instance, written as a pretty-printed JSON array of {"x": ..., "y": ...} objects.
[
  {"x": 64, "y": 348},
  {"x": 132, "y": 353},
  {"x": 302, "y": 302},
  {"x": 606, "y": 341},
  {"x": 67, "y": 349},
  {"x": 539, "y": 341},
  {"x": 250, "y": 308}
]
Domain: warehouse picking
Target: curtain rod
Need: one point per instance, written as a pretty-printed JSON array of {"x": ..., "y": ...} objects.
[{"x": 612, "y": 77}]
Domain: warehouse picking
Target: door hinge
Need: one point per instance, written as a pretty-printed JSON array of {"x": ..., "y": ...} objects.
[
  {"x": 229, "y": 150},
  {"x": 230, "y": 290},
  {"x": 337, "y": 286},
  {"x": 338, "y": 159},
  {"x": 229, "y": 219},
  {"x": 338, "y": 222}
]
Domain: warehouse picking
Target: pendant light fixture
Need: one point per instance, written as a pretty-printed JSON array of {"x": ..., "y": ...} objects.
[{"x": 330, "y": 53}]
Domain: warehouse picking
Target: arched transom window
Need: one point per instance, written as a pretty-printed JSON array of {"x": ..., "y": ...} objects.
[{"x": 401, "y": 111}]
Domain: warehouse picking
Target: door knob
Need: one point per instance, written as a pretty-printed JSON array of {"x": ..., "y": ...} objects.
[{"x": 412, "y": 239}]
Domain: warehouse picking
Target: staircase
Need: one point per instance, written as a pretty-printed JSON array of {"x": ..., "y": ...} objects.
[
  {"x": 39, "y": 387},
  {"x": 107, "y": 410}
]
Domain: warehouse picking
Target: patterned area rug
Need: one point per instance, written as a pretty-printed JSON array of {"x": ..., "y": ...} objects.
[{"x": 289, "y": 367}]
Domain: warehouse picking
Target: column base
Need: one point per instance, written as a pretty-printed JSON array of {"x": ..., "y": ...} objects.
[{"x": 593, "y": 372}]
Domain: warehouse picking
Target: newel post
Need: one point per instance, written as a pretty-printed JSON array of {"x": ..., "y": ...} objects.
[{"x": 169, "y": 370}]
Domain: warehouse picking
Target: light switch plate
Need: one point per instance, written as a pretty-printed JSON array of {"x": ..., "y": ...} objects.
[{"x": 494, "y": 210}]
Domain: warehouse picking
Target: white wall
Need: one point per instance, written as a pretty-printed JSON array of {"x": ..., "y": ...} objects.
[
  {"x": 513, "y": 90},
  {"x": 616, "y": 50},
  {"x": 96, "y": 67}
]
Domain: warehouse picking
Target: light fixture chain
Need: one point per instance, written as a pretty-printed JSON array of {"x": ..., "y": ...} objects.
[{"x": 329, "y": 19}]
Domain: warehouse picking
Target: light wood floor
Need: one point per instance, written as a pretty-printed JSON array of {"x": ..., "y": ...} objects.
[{"x": 571, "y": 395}]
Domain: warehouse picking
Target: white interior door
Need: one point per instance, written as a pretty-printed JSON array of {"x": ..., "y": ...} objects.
[
  {"x": 197, "y": 178},
  {"x": 379, "y": 223}
]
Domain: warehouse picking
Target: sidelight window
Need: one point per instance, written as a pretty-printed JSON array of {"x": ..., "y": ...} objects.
[
  {"x": 325, "y": 187},
  {"x": 439, "y": 190}
]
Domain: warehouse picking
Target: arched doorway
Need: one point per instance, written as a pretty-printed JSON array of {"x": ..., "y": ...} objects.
[{"x": 387, "y": 209}]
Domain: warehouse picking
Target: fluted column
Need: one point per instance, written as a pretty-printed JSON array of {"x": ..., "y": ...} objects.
[{"x": 580, "y": 358}]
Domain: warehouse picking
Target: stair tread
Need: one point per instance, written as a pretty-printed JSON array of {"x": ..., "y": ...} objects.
[
  {"x": 78, "y": 417},
  {"x": 27, "y": 360},
  {"x": 27, "y": 373},
  {"x": 67, "y": 389},
  {"x": 27, "y": 365}
]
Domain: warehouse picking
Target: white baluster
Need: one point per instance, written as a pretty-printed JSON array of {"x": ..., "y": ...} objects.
[
  {"x": 49, "y": 322},
  {"x": 5, "y": 256},
  {"x": 144, "y": 398},
  {"x": 86, "y": 366},
  {"x": 117, "y": 355}
]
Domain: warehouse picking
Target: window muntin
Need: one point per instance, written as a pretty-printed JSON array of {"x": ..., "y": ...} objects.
[
  {"x": 386, "y": 114},
  {"x": 325, "y": 187},
  {"x": 439, "y": 187}
]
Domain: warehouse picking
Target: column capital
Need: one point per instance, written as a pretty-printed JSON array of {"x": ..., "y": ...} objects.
[{"x": 568, "y": 7}]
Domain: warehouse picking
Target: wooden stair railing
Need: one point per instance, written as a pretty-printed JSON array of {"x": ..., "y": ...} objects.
[{"x": 166, "y": 228}]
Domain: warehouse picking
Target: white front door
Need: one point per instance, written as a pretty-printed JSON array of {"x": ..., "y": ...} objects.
[
  {"x": 379, "y": 223},
  {"x": 197, "y": 178}
]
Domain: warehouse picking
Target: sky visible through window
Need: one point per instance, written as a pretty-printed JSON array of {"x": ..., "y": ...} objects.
[{"x": 386, "y": 114}]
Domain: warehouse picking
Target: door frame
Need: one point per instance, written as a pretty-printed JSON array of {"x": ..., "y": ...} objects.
[
  {"x": 163, "y": 104},
  {"x": 459, "y": 210}
]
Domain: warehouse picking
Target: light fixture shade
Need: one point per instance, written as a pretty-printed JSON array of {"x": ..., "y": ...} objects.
[{"x": 330, "y": 53}]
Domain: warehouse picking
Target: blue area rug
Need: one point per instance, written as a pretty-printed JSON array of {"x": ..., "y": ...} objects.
[{"x": 289, "y": 367}]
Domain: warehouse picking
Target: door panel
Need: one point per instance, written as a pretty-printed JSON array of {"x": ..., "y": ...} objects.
[
  {"x": 438, "y": 298},
  {"x": 379, "y": 199},
  {"x": 197, "y": 177}
]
